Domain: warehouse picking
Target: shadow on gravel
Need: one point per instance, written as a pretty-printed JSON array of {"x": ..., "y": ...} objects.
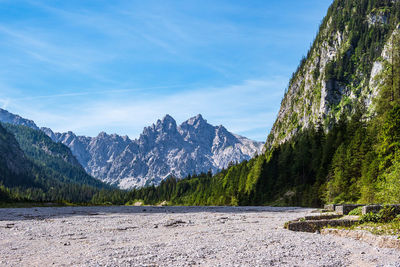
[{"x": 41, "y": 213}]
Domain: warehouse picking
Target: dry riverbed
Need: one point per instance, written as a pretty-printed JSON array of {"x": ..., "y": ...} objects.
[{"x": 174, "y": 236}]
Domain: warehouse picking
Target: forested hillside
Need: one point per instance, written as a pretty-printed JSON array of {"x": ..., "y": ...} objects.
[
  {"x": 14, "y": 166},
  {"x": 34, "y": 168},
  {"x": 342, "y": 69},
  {"x": 54, "y": 158},
  {"x": 337, "y": 135}
]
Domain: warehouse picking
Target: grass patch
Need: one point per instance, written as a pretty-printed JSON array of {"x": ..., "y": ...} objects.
[
  {"x": 390, "y": 228},
  {"x": 356, "y": 211},
  {"x": 385, "y": 222}
]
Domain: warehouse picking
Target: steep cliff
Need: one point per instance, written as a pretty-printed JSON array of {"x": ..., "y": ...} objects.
[{"x": 341, "y": 71}]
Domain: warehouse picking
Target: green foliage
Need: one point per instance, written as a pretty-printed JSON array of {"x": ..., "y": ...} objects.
[
  {"x": 389, "y": 183},
  {"x": 35, "y": 169},
  {"x": 53, "y": 159},
  {"x": 370, "y": 217},
  {"x": 357, "y": 211},
  {"x": 385, "y": 215},
  {"x": 5, "y": 195}
]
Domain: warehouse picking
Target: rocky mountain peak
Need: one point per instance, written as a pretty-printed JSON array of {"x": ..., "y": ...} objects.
[
  {"x": 166, "y": 124},
  {"x": 102, "y": 135},
  {"x": 196, "y": 121},
  {"x": 196, "y": 130},
  {"x": 49, "y": 132},
  {"x": 223, "y": 137},
  {"x": 165, "y": 149}
]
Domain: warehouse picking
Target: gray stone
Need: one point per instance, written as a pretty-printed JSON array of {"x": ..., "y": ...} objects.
[
  {"x": 322, "y": 217},
  {"x": 346, "y": 208},
  {"x": 330, "y": 207},
  {"x": 316, "y": 225},
  {"x": 377, "y": 208}
]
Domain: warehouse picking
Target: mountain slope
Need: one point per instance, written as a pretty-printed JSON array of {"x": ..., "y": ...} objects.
[
  {"x": 14, "y": 166},
  {"x": 55, "y": 159},
  {"x": 34, "y": 168},
  {"x": 162, "y": 150},
  {"x": 341, "y": 70}
]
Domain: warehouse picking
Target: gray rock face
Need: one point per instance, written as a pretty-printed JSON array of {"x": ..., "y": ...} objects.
[
  {"x": 8, "y": 117},
  {"x": 162, "y": 150}
]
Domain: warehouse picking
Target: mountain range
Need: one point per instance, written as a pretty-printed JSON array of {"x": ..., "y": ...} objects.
[{"x": 163, "y": 149}]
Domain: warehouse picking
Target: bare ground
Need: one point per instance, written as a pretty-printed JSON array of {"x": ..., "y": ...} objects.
[{"x": 174, "y": 236}]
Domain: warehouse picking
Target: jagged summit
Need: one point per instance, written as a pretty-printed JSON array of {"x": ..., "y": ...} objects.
[
  {"x": 162, "y": 149},
  {"x": 102, "y": 134},
  {"x": 168, "y": 118},
  {"x": 195, "y": 121},
  {"x": 167, "y": 123}
]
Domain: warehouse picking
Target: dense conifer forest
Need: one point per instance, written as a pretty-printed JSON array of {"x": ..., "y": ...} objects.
[{"x": 42, "y": 171}]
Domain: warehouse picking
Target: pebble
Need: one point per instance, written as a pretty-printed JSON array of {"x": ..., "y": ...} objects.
[{"x": 193, "y": 236}]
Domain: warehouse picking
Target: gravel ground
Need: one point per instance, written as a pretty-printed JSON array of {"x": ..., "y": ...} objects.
[{"x": 174, "y": 236}]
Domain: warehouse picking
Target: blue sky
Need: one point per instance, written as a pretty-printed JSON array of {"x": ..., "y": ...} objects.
[{"x": 118, "y": 66}]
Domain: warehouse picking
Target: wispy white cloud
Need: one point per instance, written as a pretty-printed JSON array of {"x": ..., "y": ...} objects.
[
  {"x": 137, "y": 28},
  {"x": 72, "y": 65},
  {"x": 96, "y": 93},
  {"x": 55, "y": 54},
  {"x": 4, "y": 103},
  {"x": 241, "y": 108}
]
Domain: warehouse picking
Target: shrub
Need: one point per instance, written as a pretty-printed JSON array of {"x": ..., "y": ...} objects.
[
  {"x": 387, "y": 214},
  {"x": 370, "y": 217},
  {"x": 356, "y": 211}
]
